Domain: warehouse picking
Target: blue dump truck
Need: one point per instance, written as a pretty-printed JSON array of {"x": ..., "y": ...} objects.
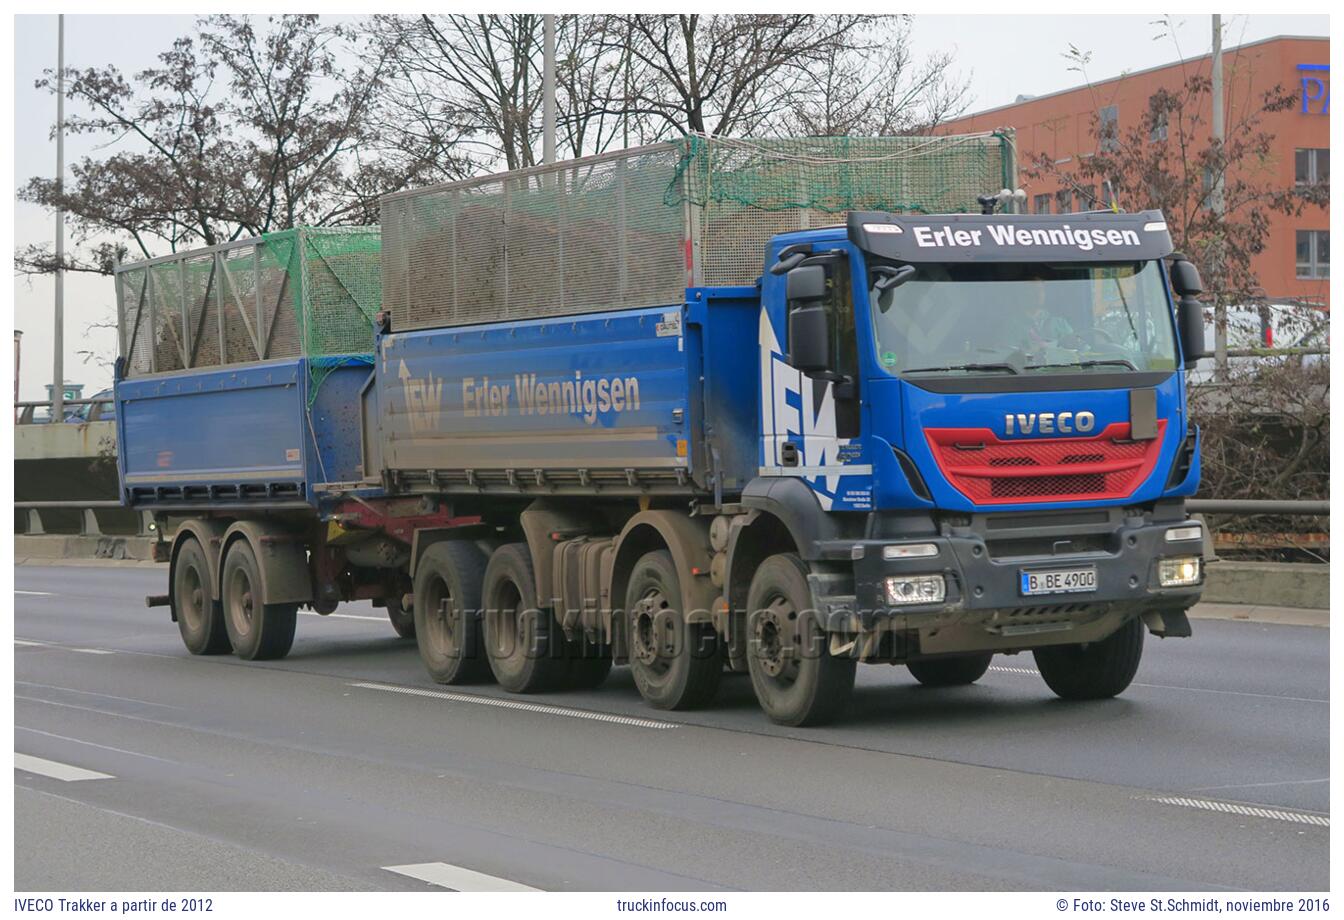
[{"x": 563, "y": 418}]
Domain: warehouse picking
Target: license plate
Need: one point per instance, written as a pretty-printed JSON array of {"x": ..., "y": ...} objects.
[{"x": 1059, "y": 581}]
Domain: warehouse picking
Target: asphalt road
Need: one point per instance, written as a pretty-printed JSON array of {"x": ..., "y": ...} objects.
[{"x": 345, "y": 767}]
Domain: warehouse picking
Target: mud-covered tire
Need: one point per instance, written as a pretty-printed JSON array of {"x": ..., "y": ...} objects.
[
  {"x": 402, "y": 620},
  {"x": 951, "y": 672},
  {"x": 676, "y": 665},
  {"x": 257, "y": 631},
  {"x": 521, "y": 639},
  {"x": 200, "y": 616},
  {"x": 1095, "y": 670},
  {"x": 796, "y": 678},
  {"x": 447, "y": 612}
]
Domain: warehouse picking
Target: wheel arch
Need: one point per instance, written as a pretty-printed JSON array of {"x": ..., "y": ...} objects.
[
  {"x": 687, "y": 539},
  {"x": 282, "y": 558}
]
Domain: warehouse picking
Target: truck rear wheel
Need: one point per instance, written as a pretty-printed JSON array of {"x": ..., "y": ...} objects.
[
  {"x": 257, "y": 631},
  {"x": 402, "y": 620},
  {"x": 951, "y": 672},
  {"x": 519, "y": 635},
  {"x": 676, "y": 665},
  {"x": 200, "y": 618},
  {"x": 1094, "y": 670},
  {"x": 796, "y": 678},
  {"x": 447, "y": 612}
]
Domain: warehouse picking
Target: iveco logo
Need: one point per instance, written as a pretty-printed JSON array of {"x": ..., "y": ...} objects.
[{"x": 1049, "y": 422}]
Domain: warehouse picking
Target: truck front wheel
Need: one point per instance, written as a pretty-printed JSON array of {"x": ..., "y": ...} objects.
[
  {"x": 1094, "y": 670},
  {"x": 257, "y": 631},
  {"x": 447, "y": 612},
  {"x": 676, "y": 665},
  {"x": 951, "y": 672},
  {"x": 200, "y": 618},
  {"x": 796, "y": 678}
]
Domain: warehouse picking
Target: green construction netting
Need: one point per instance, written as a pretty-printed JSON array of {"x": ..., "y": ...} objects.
[
  {"x": 310, "y": 292},
  {"x": 837, "y": 174}
]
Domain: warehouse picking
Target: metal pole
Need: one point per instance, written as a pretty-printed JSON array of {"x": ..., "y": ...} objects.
[
  {"x": 18, "y": 353},
  {"x": 548, "y": 89},
  {"x": 1216, "y": 204},
  {"x": 58, "y": 335}
]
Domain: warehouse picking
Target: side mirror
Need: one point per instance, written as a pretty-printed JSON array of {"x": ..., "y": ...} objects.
[
  {"x": 809, "y": 338},
  {"x": 1190, "y": 318},
  {"x": 805, "y": 284},
  {"x": 1185, "y": 279}
]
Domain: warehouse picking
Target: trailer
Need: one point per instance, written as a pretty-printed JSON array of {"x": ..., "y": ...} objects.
[{"x": 572, "y": 429}]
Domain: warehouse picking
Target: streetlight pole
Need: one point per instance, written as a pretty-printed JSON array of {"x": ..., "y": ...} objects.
[
  {"x": 58, "y": 334},
  {"x": 548, "y": 89},
  {"x": 1216, "y": 203}
]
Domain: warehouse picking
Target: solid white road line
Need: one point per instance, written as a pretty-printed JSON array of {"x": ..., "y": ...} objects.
[
  {"x": 1235, "y": 808},
  {"x": 1259, "y": 696},
  {"x": 65, "y": 648},
  {"x": 61, "y": 771},
  {"x": 525, "y": 707},
  {"x": 457, "y": 878},
  {"x": 105, "y": 747},
  {"x": 342, "y": 616}
]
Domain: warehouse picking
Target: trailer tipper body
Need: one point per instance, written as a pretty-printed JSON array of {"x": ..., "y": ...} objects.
[{"x": 907, "y": 439}]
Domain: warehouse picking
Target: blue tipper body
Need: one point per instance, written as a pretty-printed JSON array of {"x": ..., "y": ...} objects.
[{"x": 238, "y": 434}]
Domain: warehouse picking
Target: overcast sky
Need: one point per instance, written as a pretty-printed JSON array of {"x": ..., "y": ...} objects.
[{"x": 1004, "y": 57}]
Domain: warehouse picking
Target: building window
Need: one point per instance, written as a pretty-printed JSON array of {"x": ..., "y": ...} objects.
[
  {"x": 1041, "y": 204},
  {"x": 1064, "y": 199},
  {"x": 1108, "y": 127},
  {"x": 1312, "y": 166},
  {"x": 1158, "y": 132},
  {"x": 1313, "y": 253}
]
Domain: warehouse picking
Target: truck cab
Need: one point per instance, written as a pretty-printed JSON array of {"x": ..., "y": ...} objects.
[{"x": 977, "y": 426}]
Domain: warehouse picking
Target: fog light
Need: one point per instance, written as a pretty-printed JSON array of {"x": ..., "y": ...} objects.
[
  {"x": 1185, "y": 532},
  {"x": 1178, "y": 572},
  {"x": 916, "y": 589},
  {"x": 909, "y": 550}
]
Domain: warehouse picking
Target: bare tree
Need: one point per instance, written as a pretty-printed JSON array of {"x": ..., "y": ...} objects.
[
  {"x": 234, "y": 133},
  {"x": 875, "y": 86}
]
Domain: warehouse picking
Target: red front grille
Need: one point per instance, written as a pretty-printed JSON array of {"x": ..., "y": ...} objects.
[{"x": 991, "y": 471}]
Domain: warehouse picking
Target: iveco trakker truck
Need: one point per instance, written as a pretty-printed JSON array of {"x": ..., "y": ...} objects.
[{"x": 919, "y": 440}]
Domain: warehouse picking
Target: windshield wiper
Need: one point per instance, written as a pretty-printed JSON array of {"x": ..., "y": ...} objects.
[
  {"x": 1097, "y": 363},
  {"x": 964, "y": 367}
]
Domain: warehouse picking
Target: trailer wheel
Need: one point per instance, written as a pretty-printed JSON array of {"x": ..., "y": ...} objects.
[
  {"x": 519, "y": 635},
  {"x": 257, "y": 631},
  {"x": 676, "y": 665},
  {"x": 447, "y": 612},
  {"x": 951, "y": 672},
  {"x": 402, "y": 620},
  {"x": 796, "y": 678},
  {"x": 200, "y": 618},
  {"x": 1094, "y": 670}
]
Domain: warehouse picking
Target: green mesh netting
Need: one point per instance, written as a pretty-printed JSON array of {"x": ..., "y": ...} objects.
[
  {"x": 635, "y": 228},
  {"x": 838, "y": 174},
  {"x": 310, "y": 292}
]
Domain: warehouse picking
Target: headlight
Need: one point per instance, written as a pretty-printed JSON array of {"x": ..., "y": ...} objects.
[
  {"x": 909, "y": 550},
  {"x": 1178, "y": 572},
  {"x": 916, "y": 589},
  {"x": 1192, "y": 531}
]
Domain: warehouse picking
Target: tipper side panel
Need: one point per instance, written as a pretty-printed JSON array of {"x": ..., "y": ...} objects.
[{"x": 600, "y": 403}]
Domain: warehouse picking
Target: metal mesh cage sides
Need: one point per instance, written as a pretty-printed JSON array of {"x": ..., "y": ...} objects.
[
  {"x": 309, "y": 291},
  {"x": 634, "y": 228}
]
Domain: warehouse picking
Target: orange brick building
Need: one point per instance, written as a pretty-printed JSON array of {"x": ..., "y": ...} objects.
[{"x": 1295, "y": 265}]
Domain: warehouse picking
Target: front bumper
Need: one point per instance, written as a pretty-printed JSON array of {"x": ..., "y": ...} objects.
[{"x": 981, "y": 559}]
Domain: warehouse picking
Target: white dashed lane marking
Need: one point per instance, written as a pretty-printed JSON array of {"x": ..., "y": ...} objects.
[
  {"x": 1235, "y": 808},
  {"x": 524, "y": 707},
  {"x": 457, "y": 878},
  {"x": 31, "y": 643},
  {"x": 62, "y": 771},
  {"x": 34, "y": 593}
]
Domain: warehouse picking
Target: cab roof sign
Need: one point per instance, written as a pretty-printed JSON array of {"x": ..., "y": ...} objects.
[{"x": 1092, "y": 237}]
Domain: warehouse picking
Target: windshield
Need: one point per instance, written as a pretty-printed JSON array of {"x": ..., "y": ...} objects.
[{"x": 1023, "y": 318}]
